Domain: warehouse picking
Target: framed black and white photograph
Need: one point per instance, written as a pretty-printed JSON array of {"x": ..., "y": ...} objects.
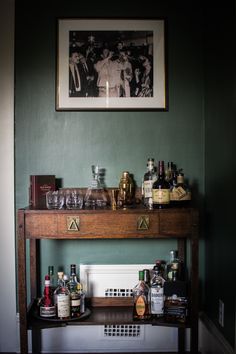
[{"x": 111, "y": 64}]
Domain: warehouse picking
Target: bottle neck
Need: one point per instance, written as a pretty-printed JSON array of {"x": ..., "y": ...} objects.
[
  {"x": 150, "y": 166},
  {"x": 161, "y": 170}
]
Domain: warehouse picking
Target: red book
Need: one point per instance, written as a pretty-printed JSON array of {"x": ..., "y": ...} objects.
[{"x": 39, "y": 186}]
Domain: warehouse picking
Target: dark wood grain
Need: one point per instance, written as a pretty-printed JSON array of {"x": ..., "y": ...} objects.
[{"x": 180, "y": 223}]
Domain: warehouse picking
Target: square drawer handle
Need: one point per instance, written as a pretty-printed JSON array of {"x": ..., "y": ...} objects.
[
  {"x": 143, "y": 222},
  {"x": 73, "y": 223}
]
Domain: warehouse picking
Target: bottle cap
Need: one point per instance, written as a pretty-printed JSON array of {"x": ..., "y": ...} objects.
[
  {"x": 141, "y": 275},
  {"x": 146, "y": 275}
]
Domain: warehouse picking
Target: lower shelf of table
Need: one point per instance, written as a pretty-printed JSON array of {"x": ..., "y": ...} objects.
[{"x": 108, "y": 315}]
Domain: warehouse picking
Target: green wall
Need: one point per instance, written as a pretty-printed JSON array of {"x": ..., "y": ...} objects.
[
  {"x": 68, "y": 143},
  {"x": 220, "y": 168}
]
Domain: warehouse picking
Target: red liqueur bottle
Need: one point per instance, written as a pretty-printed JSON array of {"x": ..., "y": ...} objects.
[{"x": 47, "y": 307}]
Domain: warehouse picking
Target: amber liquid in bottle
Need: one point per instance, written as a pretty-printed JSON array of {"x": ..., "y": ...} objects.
[{"x": 141, "y": 299}]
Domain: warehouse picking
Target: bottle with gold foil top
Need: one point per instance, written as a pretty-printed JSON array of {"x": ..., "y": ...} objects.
[
  {"x": 161, "y": 189},
  {"x": 126, "y": 189},
  {"x": 141, "y": 299}
]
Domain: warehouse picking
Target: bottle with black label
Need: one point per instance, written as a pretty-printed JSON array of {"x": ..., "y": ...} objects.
[
  {"x": 149, "y": 178},
  {"x": 161, "y": 189},
  {"x": 74, "y": 293}
]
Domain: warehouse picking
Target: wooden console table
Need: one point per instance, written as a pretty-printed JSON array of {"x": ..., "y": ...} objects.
[{"x": 133, "y": 223}]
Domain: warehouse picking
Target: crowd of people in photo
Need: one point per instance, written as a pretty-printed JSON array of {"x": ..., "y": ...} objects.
[{"x": 107, "y": 71}]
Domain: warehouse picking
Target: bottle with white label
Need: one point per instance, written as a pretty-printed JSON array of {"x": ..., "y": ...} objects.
[
  {"x": 62, "y": 294},
  {"x": 149, "y": 178},
  {"x": 157, "y": 293},
  {"x": 47, "y": 307},
  {"x": 161, "y": 189}
]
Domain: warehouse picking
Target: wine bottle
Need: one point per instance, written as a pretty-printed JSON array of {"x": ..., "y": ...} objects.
[{"x": 161, "y": 189}]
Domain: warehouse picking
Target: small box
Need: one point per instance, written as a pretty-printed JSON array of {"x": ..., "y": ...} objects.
[{"x": 39, "y": 186}]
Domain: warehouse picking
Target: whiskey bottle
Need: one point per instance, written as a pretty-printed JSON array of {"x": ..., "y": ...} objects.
[
  {"x": 74, "y": 293},
  {"x": 47, "y": 307},
  {"x": 161, "y": 189},
  {"x": 149, "y": 178},
  {"x": 62, "y": 294},
  {"x": 141, "y": 299},
  {"x": 157, "y": 292}
]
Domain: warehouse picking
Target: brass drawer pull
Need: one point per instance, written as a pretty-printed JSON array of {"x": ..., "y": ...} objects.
[
  {"x": 73, "y": 223},
  {"x": 143, "y": 223}
]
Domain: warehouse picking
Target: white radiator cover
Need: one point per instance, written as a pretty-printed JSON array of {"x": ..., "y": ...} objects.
[{"x": 110, "y": 280}]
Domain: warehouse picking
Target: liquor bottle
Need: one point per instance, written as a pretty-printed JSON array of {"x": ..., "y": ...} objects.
[
  {"x": 63, "y": 300},
  {"x": 157, "y": 292},
  {"x": 74, "y": 293},
  {"x": 180, "y": 194},
  {"x": 162, "y": 266},
  {"x": 169, "y": 171},
  {"x": 141, "y": 299},
  {"x": 161, "y": 189},
  {"x": 174, "y": 267},
  {"x": 59, "y": 283},
  {"x": 149, "y": 178},
  {"x": 51, "y": 275},
  {"x": 47, "y": 307}
]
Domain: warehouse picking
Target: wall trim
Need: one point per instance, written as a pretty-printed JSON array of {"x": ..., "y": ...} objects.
[{"x": 221, "y": 343}]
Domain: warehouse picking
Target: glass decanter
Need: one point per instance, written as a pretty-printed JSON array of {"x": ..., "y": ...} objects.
[{"x": 96, "y": 196}]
